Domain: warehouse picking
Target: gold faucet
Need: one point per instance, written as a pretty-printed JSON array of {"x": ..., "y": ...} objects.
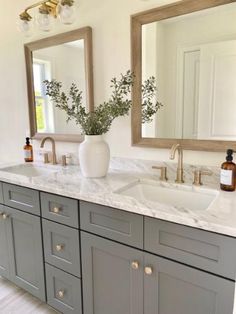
[
  {"x": 48, "y": 138},
  {"x": 180, "y": 171}
]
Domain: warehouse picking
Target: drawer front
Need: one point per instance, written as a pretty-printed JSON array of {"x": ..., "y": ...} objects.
[
  {"x": 112, "y": 223},
  {"x": 1, "y": 193},
  {"x": 63, "y": 291},
  {"x": 202, "y": 249},
  {"x": 21, "y": 198},
  {"x": 60, "y": 209},
  {"x": 62, "y": 247}
]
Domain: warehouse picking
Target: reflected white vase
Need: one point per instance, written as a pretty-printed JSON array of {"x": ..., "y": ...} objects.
[{"x": 94, "y": 156}]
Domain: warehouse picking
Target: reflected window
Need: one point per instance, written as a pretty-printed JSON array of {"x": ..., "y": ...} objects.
[{"x": 44, "y": 110}]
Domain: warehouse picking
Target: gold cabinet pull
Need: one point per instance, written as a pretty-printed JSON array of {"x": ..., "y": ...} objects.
[
  {"x": 59, "y": 247},
  {"x": 148, "y": 270},
  {"x": 61, "y": 294},
  {"x": 135, "y": 265},
  {"x": 56, "y": 210},
  {"x": 5, "y": 216}
]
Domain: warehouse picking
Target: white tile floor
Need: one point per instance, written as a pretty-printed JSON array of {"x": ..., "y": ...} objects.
[{"x": 14, "y": 300}]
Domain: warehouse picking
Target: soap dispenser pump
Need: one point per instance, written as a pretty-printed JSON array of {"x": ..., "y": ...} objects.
[{"x": 228, "y": 173}]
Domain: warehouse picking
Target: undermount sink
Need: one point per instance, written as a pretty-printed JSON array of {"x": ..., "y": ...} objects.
[
  {"x": 29, "y": 170},
  {"x": 179, "y": 197}
]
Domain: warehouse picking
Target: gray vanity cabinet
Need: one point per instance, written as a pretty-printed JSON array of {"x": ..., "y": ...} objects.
[
  {"x": 4, "y": 254},
  {"x": 110, "y": 283},
  {"x": 1, "y": 194},
  {"x": 170, "y": 287},
  {"x": 121, "y": 280},
  {"x": 25, "y": 251}
]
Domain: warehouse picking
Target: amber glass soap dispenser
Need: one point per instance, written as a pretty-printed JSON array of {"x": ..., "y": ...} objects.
[
  {"x": 228, "y": 173},
  {"x": 28, "y": 151}
]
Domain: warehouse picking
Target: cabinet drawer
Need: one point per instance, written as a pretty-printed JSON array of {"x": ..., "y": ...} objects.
[
  {"x": 63, "y": 291},
  {"x": 202, "y": 249},
  {"x": 21, "y": 198},
  {"x": 61, "y": 247},
  {"x": 112, "y": 223},
  {"x": 60, "y": 209},
  {"x": 1, "y": 194}
]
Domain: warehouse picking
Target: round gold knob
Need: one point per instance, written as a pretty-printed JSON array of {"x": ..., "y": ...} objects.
[
  {"x": 4, "y": 216},
  {"x": 61, "y": 294},
  {"x": 148, "y": 270},
  {"x": 59, "y": 247},
  {"x": 135, "y": 265},
  {"x": 56, "y": 210}
]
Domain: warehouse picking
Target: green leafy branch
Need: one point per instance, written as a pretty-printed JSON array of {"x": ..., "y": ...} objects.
[{"x": 100, "y": 120}]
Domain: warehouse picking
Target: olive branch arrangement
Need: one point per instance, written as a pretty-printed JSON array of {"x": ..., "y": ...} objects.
[{"x": 100, "y": 120}]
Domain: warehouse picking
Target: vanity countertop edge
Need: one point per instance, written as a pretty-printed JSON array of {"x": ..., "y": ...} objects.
[{"x": 220, "y": 217}]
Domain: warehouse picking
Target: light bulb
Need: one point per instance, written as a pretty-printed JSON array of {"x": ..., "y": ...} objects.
[
  {"x": 44, "y": 22},
  {"x": 24, "y": 27},
  {"x": 67, "y": 14}
]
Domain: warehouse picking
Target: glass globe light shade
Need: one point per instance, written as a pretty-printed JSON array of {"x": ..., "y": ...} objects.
[
  {"x": 24, "y": 27},
  {"x": 44, "y": 22},
  {"x": 67, "y": 14}
]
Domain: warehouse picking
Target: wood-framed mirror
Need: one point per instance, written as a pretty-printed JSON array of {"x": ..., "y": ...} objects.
[
  {"x": 68, "y": 58},
  {"x": 190, "y": 48}
]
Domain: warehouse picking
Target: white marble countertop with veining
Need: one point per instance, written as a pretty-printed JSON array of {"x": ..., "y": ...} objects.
[{"x": 219, "y": 217}]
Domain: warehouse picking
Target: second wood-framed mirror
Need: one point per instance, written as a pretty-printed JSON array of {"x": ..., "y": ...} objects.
[
  {"x": 190, "y": 48},
  {"x": 68, "y": 58}
]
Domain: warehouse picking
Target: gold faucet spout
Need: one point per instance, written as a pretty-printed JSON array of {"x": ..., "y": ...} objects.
[
  {"x": 180, "y": 171},
  {"x": 48, "y": 138}
]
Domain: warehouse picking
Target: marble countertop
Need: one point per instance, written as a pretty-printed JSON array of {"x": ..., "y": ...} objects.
[{"x": 68, "y": 181}]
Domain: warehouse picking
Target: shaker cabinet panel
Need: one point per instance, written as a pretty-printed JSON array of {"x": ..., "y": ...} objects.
[
  {"x": 1, "y": 193},
  {"x": 63, "y": 291},
  {"x": 170, "y": 287},
  {"x": 60, "y": 209},
  {"x": 62, "y": 247},
  {"x": 112, "y": 277},
  {"x": 21, "y": 198},
  {"x": 112, "y": 223},
  {"x": 212, "y": 252},
  {"x": 25, "y": 251},
  {"x": 4, "y": 253}
]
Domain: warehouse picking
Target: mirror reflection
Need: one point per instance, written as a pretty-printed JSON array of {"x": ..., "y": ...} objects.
[
  {"x": 65, "y": 63},
  {"x": 193, "y": 57}
]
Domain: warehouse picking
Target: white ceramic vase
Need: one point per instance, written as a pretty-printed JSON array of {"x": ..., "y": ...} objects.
[{"x": 94, "y": 156}]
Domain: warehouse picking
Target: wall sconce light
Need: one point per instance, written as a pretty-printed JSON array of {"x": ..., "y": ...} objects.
[{"x": 47, "y": 12}]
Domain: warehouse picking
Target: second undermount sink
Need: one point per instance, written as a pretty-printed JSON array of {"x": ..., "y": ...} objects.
[
  {"x": 30, "y": 170},
  {"x": 179, "y": 197}
]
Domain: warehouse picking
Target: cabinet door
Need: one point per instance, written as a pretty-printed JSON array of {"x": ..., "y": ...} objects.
[
  {"x": 112, "y": 277},
  {"x": 4, "y": 254},
  {"x": 170, "y": 288},
  {"x": 1, "y": 194},
  {"x": 25, "y": 251}
]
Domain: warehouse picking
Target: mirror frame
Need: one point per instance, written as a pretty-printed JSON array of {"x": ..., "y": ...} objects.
[
  {"x": 82, "y": 33},
  {"x": 154, "y": 15}
]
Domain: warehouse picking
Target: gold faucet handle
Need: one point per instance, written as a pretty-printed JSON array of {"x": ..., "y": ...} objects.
[
  {"x": 64, "y": 159},
  {"x": 198, "y": 176},
  {"x": 163, "y": 176}
]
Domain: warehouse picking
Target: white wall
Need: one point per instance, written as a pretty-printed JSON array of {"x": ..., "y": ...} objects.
[{"x": 110, "y": 20}]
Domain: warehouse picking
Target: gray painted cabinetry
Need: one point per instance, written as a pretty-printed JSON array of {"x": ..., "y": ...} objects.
[
  {"x": 4, "y": 253},
  {"x": 21, "y": 256},
  {"x": 1, "y": 194},
  {"x": 122, "y": 280},
  {"x": 62, "y": 252},
  {"x": 119, "y": 279},
  {"x": 130, "y": 264}
]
